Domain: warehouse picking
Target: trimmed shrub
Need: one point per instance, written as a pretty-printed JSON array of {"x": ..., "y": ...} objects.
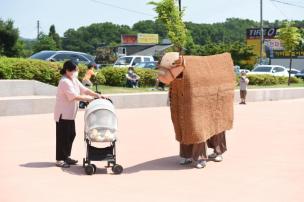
[
  {"x": 295, "y": 80},
  {"x": 29, "y": 69},
  {"x": 6, "y": 71},
  {"x": 99, "y": 79},
  {"x": 269, "y": 80},
  {"x": 147, "y": 76},
  {"x": 114, "y": 76}
]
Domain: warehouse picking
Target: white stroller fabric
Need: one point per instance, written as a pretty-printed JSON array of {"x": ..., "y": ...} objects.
[{"x": 100, "y": 121}]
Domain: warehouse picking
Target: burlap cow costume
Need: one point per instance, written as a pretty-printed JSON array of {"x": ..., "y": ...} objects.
[{"x": 201, "y": 101}]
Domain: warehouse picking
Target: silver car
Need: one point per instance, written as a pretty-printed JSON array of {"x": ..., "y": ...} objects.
[{"x": 64, "y": 55}]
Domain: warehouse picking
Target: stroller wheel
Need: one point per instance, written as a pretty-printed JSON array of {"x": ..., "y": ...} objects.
[
  {"x": 89, "y": 169},
  {"x": 95, "y": 168},
  {"x": 117, "y": 169},
  {"x": 83, "y": 162}
]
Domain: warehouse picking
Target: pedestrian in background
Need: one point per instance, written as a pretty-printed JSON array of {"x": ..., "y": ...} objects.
[
  {"x": 86, "y": 81},
  {"x": 132, "y": 78},
  {"x": 244, "y": 81}
]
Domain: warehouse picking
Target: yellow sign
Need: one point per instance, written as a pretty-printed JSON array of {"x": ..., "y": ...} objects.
[{"x": 147, "y": 38}]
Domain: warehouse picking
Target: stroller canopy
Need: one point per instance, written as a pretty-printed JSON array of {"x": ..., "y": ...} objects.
[{"x": 100, "y": 114}]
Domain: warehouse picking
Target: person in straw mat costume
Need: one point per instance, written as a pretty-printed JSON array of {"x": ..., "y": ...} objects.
[{"x": 201, "y": 101}]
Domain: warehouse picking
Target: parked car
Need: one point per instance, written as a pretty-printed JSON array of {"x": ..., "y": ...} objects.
[
  {"x": 293, "y": 72},
  {"x": 245, "y": 70},
  {"x": 149, "y": 65},
  {"x": 65, "y": 55},
  {"x": 131, "y": 61},
  {"x": 275, "y": 70},
  {"x": 237, "y": 69},
  {"x": 300, "y": 74}
]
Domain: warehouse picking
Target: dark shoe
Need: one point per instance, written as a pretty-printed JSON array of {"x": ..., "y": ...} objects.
[
  {"x": 71, "y": 161},
  {"x": 62, "y": 164}
]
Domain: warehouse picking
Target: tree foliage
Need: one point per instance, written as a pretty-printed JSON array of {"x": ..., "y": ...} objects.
[
  {"x": 169, "y": 15},
  {"x": 10, "y": 45},
  {"x": 290, "y": 36},
  {"x": 55, "y": 36},
  {"x": 240, "y": 52},
  {"x": 87, "y": 39},
  {"x": 44, "y": 42}
]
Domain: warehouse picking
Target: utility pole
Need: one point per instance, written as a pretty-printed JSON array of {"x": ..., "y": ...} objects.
[
  {"x": 180, "y": 5},
  {"x": 38, "y": 29},
  {"x": 261, "y": 32}
]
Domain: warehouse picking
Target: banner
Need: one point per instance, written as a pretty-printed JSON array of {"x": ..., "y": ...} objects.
[
  {"x": 128, "y": 39},
  {"x": 147, "y": 38}
]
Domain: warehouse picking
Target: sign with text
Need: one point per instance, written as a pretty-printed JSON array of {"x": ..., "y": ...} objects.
[
  {"x": 147, "y": 38},
  {"x": 255, "y": 33},
  {"x": 128, "y": 39}
]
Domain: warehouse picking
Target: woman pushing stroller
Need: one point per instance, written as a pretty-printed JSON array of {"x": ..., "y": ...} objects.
[{"x": 69, "y": 92}]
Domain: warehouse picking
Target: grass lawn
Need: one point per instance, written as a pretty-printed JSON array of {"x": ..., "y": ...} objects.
[{"x": 114, "y": 89}]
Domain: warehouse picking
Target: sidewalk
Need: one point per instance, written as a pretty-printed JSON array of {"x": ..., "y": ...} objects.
[{"x": 264, "y": 161}]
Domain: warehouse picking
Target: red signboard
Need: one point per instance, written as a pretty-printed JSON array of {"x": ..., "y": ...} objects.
[{"x": 128, "y": 39}]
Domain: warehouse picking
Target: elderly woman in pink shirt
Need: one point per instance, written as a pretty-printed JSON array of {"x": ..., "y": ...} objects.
[{"x": 69, "y": 92}]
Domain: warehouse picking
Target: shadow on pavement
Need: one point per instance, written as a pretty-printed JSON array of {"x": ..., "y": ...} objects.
[
  {"x": 167, "y": 163},
  {"x": 79, "y": 170},
  {"x": 38, "y": 165}
]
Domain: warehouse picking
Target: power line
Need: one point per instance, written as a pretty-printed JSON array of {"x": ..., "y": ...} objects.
[
  {"x": 275, "y": 5},
  {"x": 288, "y": 3},
  {"x": 121, "y": 8}
]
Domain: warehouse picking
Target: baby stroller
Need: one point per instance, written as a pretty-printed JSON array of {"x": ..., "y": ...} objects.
[{"x": 100, "y": 126}]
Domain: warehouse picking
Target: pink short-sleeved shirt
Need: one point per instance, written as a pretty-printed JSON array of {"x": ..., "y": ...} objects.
[{"x": 66, "y": 106}]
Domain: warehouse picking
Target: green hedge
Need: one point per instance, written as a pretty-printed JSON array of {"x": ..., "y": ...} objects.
[
  {"x": 18, "y": 68},
  {"x": 29, "y": 69},
  {"x": 48, "y": 72},
  {"x": 117, "y": 76},
  {"x": 269, "y": 80}
]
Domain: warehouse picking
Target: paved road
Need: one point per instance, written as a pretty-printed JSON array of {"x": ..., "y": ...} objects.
[{"x": 264, "y": 161}]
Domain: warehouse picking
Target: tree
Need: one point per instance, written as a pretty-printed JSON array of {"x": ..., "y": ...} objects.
[
  {"x": 89, "y": 38},
  {"x": 55, "y": 36},
  {"x": 150, "y": 26},
  {"x": 290, "y": 37},
  {"x": 9, "y": 43},
  {"x": 240, "y": 52},
  {"x": 169, "y": 15},
  {"x": 44, "y": 42},
  {"x": 144, "y": 26}
]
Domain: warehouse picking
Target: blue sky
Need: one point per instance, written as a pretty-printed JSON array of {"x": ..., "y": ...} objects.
[{"x": 67, "y": 14}]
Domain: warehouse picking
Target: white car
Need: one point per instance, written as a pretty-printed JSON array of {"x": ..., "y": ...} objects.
[
  {"x": 132, "y": 60},
  {"x": 293, "y": 72},
  {"x": 275, "y": 70},
  {"x": 244, "y": 70}
]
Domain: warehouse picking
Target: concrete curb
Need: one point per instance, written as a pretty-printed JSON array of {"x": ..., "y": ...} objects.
[{"x": 40, "y": 97}]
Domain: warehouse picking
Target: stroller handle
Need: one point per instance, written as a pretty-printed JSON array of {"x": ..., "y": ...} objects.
[
  {"x": 83, "y": 105},
  {"x": 105, "y": 98}
]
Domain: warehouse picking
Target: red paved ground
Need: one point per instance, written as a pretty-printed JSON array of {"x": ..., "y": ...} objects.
[{"x": 264, "y": 161}]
